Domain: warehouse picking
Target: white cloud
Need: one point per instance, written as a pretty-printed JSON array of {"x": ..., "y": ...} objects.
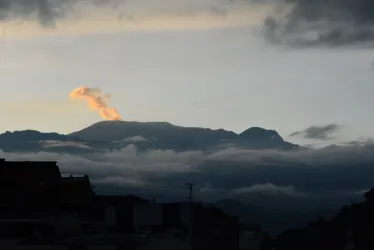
[
  {"x": 57, "y": 144},
  {"x": 137, "y": 138},
  {"x": 121, "y": 181},
  {"x": 329, "y": 171},
  {"x": 269, "y": 188}
]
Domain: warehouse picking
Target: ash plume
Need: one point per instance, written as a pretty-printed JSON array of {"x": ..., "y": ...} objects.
[{"x": 96, "y": 101}]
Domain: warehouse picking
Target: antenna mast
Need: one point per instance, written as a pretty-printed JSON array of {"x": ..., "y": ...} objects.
[{"x": 190, "y": 188}]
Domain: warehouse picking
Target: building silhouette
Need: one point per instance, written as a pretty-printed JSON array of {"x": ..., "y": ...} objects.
[{"x": 40, "y": 208}]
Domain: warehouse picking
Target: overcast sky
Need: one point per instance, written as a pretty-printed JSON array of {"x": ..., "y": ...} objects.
[
  {"x": 305, "y": 70},
  {"x": 191, "y": 64}
]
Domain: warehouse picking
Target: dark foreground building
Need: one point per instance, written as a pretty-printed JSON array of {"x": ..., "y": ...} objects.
[
  {"x": 351, "y": 229},
  {"x": 28, "y": 184},
  {"x": 41, "y": 208}
]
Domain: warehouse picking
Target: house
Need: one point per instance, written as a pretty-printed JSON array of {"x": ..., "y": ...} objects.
[
  {"x": 26, "y": 183},
  {"x": 117, "y": 211},
  {"x": 76, "y": 190},
  {"x": 213, "y": 229},
  {"x": 77, "y": 197},
  {"x": 168, "y": 215},
  {"x": 38, "y": 185},
  {"x": 185, "y": 223},
  {"x": 39, "y": 206},
  {"x": 250, "y": 237},
  {"x": 37, "y": 202},
  {"x": 166, "y": 241}
]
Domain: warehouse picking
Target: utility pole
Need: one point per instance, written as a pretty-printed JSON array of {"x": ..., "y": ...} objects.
[
  {"x": 190, "y": 198},
  {"x": 190, "y": 188},
  {"x": 155, "y": 197}
]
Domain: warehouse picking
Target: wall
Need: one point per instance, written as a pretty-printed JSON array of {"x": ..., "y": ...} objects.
[
  {"x": 249, "y": 240},
  {"x": 66, "y": 223},
  {"x": 166, "y": 243},
  {"x": 56, "y": 248},
  {"x": 147, "y": 215},
  {"x": 111, "y": 216},
  {"x": 34, "y": 247},
  {"x": 185, "y": 211}
]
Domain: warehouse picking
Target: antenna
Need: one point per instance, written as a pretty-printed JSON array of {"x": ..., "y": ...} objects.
[
  {"x": 190, "y": 198},
  {"x": 156, "y": 197},
  {"x": 190, "y": 188}
]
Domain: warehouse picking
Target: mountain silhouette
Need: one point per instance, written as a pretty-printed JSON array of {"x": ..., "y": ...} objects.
[
  {"x": 109, "y": 135},
  {"x": 271, "y": 220},
  {"x": 27, "y": 140},
  {"x": 351, "y": 228},
  {"x": 177, "y": 137},
  {"x": 119, "y": 130}
]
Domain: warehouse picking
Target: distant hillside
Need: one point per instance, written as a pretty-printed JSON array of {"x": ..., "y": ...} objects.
[
  {"x": 351, "y": 228},
  {"x": 273, "y": 221},
  {"x": 27, "y": 140},
  {"x": 109, "y": 135},
  {"x": 166, "y": 135}
]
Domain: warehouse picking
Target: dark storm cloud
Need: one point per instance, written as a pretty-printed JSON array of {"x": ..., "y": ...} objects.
[
  {"x": 322, "y": 22},
  {"x": 47, "y": 12},
  {"x": 324, "y": 132}
]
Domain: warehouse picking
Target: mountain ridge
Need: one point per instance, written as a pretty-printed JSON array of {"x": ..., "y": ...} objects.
[{"x": 109, "y": 135}]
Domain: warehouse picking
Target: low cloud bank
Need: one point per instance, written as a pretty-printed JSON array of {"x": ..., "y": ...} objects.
[{"x": 335, "y": 170}]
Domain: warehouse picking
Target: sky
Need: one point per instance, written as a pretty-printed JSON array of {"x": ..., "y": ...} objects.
[
  {"x": 304, "y": 70},
  {"x": 197, "y": 63}
]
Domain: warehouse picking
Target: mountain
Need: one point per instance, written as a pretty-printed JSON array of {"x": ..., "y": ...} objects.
[
  {"x": 122, "y": 130},
  {"x": 351, "y": 228},
  {"x": 31, "y": 135},
  {"x": 166, "y": 135},
  {"x": 260, "y": 134},
  {"x": 109, "y": 135},
  {"x": 27, "y": 140},
  {"x": 271, "y": 220},
  {"x": 260, "y": 138}
]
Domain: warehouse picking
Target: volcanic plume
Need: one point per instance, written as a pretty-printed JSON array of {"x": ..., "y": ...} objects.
[{"x": 96, "y": 101}]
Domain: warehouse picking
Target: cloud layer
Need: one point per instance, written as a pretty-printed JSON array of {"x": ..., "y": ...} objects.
[
  {"x": 330, "y": 172},
  {"x": 322, "y": 22},
  {"x": 324, "y": 132},
  {"x": 87, "y": 16}
]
